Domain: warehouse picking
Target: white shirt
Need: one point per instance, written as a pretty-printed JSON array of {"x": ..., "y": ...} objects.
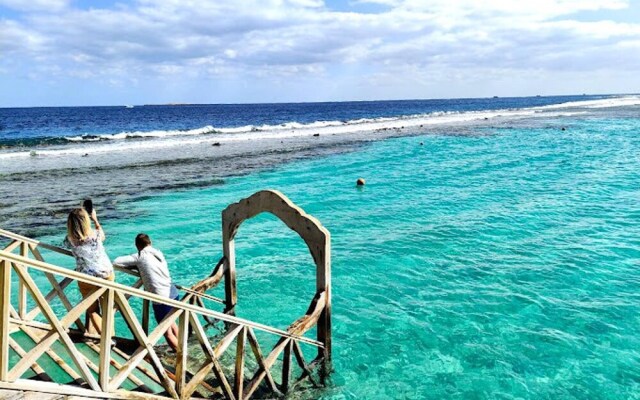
[{"x": 153, "y": 269}]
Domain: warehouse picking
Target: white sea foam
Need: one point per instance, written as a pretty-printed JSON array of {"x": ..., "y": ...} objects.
[
  {"x": 621, "y": 101},
  {"x": 141, "y": 134},
  {"x": 97, "y": 144}
]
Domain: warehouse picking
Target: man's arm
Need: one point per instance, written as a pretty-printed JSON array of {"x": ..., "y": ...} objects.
[{"x": 129, "y": 262}]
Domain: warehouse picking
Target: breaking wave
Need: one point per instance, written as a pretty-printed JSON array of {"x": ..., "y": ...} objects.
[{"x": 90, "y": 143}]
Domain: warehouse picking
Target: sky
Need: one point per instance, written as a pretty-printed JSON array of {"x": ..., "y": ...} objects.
[{"x": 104, "y": 52}]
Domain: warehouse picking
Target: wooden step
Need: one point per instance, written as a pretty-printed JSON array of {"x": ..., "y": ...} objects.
[
  {"x": 11, "y": 395},
  {"x": 42, "y": 396}
]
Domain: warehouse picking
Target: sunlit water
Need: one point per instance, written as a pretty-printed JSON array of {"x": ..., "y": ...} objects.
[{"x": 498, "y": 265}]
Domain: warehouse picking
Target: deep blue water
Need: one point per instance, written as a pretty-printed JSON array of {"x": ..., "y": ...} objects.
[{"x": 31, "y": 126}]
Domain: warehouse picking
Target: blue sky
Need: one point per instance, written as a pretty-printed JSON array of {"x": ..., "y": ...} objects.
[{"x": 82, "y": 52}]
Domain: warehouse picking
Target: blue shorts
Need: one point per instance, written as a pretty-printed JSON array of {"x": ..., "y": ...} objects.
[{"x": 161, "y": 310}]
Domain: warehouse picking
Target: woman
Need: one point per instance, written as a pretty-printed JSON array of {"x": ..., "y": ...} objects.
[{"x": 91, "y": 258}]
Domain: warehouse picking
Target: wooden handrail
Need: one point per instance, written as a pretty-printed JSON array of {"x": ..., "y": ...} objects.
[
  {"x": 179, "y": 383},
  {"x": 78, "y": 276},
  {"x": 47, "y": 246},
  {"x": 57, "y": 249}
]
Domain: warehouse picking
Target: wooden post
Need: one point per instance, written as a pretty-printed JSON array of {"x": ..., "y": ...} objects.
[
  {"x": 145, "y": 316},
  {"x": 229, "y": 251},
  {"x": 22, "y": 290},
  {"x": 57, "y": 328},
  {"x": 182, "y": 352},
  {"x": 323, "y": 283},
  {"x": 317, "y": 238},
  {"x": 286, "y": 366},
  {"x": 5, "y": 302},
  {"x": 239, "y": 381},
  {"x": 105, "y": 339}
]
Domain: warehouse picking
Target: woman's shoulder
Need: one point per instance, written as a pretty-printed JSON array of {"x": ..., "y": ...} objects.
[{"x": 92, "y": 240}]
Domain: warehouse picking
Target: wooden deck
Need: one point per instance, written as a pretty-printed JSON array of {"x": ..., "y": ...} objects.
[{"x": 46, "y": 351}]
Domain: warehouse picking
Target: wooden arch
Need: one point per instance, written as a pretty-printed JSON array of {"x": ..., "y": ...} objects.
[{"x": 316, "y": 237}]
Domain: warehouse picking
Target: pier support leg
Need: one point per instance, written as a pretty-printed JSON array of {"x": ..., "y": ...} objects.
[{"x": 5, "y": 302}]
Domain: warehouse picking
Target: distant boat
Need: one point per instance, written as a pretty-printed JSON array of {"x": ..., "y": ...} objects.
[
  {"x": 495, "y": 97},
  {"x": 128, "y": 106}
]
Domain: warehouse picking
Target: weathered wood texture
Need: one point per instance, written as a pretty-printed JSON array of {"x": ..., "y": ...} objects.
[
  {"x": 106, "y": 378},
  {"x": 316, "y": 237}
]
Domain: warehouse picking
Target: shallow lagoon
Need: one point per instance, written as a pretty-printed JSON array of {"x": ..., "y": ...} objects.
[{"x": 497, "y": 265}]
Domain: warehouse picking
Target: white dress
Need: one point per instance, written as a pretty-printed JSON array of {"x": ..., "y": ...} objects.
[{"x": 91, "y": 257}]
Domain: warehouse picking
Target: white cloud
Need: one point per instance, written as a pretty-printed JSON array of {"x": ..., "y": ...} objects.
[{"x": 425, "y": 41}]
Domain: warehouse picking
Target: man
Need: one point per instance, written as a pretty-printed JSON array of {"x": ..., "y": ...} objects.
[{"x": 151, "y": 264}]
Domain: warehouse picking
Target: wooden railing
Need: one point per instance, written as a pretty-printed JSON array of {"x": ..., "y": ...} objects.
[{"x": 21, "y": 264}]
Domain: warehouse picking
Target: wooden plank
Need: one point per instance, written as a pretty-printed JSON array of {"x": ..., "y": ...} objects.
[
  {"x": 286, "y": 367},
  {"x": 230, "y": 286},
  {"x": 146, "y": 305},
  {"x": 42, "y": 396},
  {"x": 323, "y": 285},
  {"x": 13, "y": 313},
  {"x": 138, "y": 355},
  {"x": 63, "y": 298},
  {"x": 105, "y": 339},
  {"x": 69, "y": 390},
  {"x": 11, "y": 394},
  {"x": 164, "y": 325},
  {"x": 137, "y": 331},
  {"x": 42, "y": 266},
  {"x": 42, "y": 375},
  {"x": 53, "y": 293},
  {"x": 56, "y": 286},
  {"x": 309, "y": 320},
  {"x": 126, "y": 370},
  {"x": 5, "y": 302},
  {"x": 59, "y": 328},
  {"x": 200, "y": 295},
  {"x": 12, "y": 246},
  {"x": 118, "y": 366},
  {"x": 257, "y": 352},
  {"x": 196, "y": 380},
  {"x": 213, "y": 280},
  {"x": 32, "y": 324},
  {"x": 141, "y": 368},
  {"x": 213, "y": 357},
  {"x": 226, "y": 341},
  {"x": 182, "y": 352},
  {"x": 239, "y": 376},
  {"x": 52, "y": 335},
  {"x": 201, "y": 304},
  {"x": 21, "y": 238},
  {"x": 316, "y": 237},
  {"x": 268, "y": 363},
  {"x": 22, "y": 292},
  {"x": 301, "y": 362},
  {"x": 54, "y": 356}
]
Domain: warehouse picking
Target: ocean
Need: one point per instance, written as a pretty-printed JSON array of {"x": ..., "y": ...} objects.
[{"x": 492, "y": 254}]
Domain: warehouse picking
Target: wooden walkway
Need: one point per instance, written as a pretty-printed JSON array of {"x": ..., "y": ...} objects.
[{"x": 46, "y": 351}]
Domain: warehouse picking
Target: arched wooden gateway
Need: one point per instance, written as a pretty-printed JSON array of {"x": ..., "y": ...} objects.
[{"x": 44, "y": 347}]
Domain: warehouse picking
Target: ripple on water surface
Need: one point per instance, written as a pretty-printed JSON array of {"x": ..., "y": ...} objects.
[{"x": 503, "y": 265}]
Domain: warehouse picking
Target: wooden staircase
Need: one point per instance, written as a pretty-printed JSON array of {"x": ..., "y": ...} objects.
[{"x": 45, "y": 351}]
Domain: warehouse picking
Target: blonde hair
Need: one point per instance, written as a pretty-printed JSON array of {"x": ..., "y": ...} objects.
[{"x": 78, "y": 225}]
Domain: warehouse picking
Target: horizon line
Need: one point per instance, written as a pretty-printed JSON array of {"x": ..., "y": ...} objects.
[{"x": 182, "y": 104}]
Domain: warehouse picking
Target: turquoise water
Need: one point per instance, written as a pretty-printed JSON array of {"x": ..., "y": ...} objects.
[{"x": 499, "y": 265}]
